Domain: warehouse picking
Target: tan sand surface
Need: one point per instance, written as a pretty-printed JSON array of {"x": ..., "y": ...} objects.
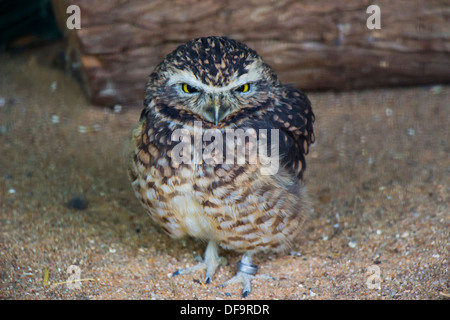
[{"x": 378, "y": 176}]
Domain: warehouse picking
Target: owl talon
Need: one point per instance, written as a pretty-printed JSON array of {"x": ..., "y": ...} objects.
[
  {"x": 243, "y": 278},
  {"x": 176, "y": 273},
  {"x": 211, "y": 262},
  {"x": 246, "y": 273}
]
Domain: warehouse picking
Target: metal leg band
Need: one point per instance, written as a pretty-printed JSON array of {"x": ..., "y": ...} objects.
[{"x": 250, "y": 269}]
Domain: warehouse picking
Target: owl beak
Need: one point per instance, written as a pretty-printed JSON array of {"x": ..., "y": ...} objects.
[{"x": 217, "y": 104}]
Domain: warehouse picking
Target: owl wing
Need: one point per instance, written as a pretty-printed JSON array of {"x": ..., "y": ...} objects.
[{"x": 294, "y": 118}]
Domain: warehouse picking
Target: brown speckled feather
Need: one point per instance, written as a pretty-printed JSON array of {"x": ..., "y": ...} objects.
[{"x": 235, "y": 205}]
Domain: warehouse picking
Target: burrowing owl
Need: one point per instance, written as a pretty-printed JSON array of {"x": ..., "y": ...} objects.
[{"x": 181, "y": 169}]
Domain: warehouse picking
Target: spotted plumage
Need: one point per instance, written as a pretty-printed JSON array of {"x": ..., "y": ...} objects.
[{"x": 224, "y": 86}]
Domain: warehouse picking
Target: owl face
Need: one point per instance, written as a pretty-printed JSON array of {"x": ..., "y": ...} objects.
[{"x": 213, "y": 78}]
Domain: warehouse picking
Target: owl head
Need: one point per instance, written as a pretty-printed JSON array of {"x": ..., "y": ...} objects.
[{"x": 211, "y": 78}]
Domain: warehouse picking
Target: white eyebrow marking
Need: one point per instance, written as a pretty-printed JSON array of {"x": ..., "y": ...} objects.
[{"x": 189, "y": 78}]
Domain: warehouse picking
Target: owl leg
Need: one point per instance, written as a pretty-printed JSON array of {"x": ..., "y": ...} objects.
[
  {"x": 209, "y": 263},
  {"x": 246, "y": 273}
]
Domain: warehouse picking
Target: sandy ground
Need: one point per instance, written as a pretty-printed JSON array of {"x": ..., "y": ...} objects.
[{"x": 378, "y": 176}]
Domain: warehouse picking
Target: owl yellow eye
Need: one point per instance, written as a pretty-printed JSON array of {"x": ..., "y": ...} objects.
[
  {"x": 188, "y": 89},
  {"x": 244, "y": 88}
]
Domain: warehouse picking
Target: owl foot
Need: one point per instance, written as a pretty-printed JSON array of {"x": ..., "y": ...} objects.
[
  {"x": 246, "y": 273},
  {"x": 211, "y": 262}
]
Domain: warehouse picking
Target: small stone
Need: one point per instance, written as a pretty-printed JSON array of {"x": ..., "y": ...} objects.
[
  {"x": 117, "y": 108},
  {"x": 352, "y": 244},
  {"x": 436, "y": 89},
  {"x": 55, "y": 119},
  {"x": 82, "y": 129},
  {"x": 388, "y": 112},
  {"x": 77, "y": 203}
]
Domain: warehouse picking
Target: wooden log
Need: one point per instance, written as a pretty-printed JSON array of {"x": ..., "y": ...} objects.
[{"x": 311, "y": 44}]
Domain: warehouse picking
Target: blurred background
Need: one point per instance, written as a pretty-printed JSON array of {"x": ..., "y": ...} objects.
[
  {"x": 314, "y": 45},
  {"x": 378, "y": 174}
]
